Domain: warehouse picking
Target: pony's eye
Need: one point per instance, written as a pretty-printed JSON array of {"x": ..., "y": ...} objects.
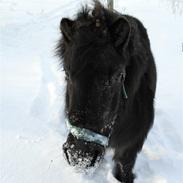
[
  {"x": 119, "y": 77},
  {"x": 122, "y": 75},
  {"x": 67, "y": 77}
]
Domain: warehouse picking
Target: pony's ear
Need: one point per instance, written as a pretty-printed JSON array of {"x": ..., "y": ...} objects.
[
  {"x": 120, "y": 32},
  {"x": 67, "y": 28}
]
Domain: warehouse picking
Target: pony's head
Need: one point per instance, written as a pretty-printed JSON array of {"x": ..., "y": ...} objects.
[{"x": 92, "y": 48}]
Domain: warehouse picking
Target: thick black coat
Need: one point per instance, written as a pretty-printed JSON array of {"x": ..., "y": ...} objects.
[{"x": 96, "y": 48}]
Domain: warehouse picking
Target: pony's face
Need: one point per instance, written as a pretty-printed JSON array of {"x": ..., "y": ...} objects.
[{"x": 94, "y": 74}]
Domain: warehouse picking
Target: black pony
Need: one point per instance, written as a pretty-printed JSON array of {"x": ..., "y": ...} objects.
[{"x": 111, "y": 82}]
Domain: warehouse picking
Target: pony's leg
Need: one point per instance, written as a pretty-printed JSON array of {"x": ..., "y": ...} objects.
[{"x": 124, "y": 163}]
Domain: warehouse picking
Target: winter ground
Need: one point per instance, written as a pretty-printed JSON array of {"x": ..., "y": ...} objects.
[{"x": 32, "y": 128}]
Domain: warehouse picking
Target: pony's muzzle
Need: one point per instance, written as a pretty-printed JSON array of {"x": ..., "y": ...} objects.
[{"x": 81, "y": 154}]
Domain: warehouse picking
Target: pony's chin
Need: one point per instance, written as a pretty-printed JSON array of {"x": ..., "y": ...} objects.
[{"x": 83, "y": 156}]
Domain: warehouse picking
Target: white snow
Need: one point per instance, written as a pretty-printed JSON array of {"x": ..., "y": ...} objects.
[{"x": 32, "y": 128}]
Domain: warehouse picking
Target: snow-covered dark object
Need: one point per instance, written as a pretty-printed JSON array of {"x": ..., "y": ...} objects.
[
  {"x": 97, "y": 48},
  {"x": 82, "y": 160}
]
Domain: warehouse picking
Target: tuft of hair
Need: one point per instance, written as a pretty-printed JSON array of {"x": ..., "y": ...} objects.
[
  {"x": 84, "y": 12},
  {"x": 97, "y": 8}
]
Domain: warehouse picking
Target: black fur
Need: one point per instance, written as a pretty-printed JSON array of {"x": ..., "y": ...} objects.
[{"x": 96, "y": 48}]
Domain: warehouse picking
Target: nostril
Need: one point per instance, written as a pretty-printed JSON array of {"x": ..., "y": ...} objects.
[
  {"x": 94, "y": 158},
  {"x": 66, "y": 154}
]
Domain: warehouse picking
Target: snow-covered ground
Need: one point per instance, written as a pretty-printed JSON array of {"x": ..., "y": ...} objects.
[{"x": 32, "y": 128}]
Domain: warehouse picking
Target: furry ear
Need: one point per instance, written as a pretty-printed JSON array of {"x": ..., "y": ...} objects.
[
  {"x": 121, "y": 32},
  {"x": 67, "y": 28}
]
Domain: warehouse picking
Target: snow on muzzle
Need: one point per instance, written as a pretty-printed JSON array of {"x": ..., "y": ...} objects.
[{"x": 81, "y": 154}]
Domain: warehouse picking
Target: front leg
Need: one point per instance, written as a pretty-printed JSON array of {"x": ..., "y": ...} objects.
[
  {"x": 124, "y": 163},
  {"x": 123, "y": 173}
]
